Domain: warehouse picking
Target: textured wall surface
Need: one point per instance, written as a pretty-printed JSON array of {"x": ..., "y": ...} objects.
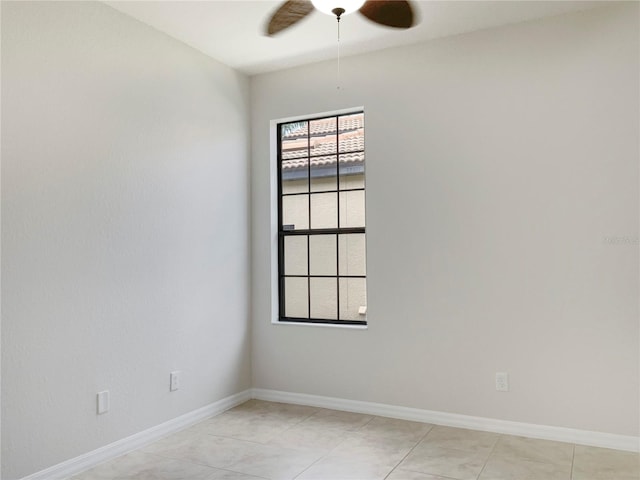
[
  {"x": 502, "y": 225},
  {"x": 124, "y": 230}
]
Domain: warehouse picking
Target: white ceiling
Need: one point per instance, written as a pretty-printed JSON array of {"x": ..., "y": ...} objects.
[{"x": 231, "y": 31}]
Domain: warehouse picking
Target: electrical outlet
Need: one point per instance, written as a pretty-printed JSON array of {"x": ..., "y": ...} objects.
[
  {"x": 102, "y": 402},
  {"x": 174, "y": 381},
  {"x": 502, "y": 381}
]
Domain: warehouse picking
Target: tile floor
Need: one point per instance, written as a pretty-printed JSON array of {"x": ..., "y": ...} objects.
[{"x": 276, "y": 441}]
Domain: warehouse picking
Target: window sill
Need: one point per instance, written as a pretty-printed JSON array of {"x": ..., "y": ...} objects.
[{"x": 324, "y": 325}]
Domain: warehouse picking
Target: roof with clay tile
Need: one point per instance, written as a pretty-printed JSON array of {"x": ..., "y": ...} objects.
[
  {"x": 320, "y": 144},
  {"x": 326, "y": 126}
]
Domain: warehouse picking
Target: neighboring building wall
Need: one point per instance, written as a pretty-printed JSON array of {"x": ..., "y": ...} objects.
[
  {"x": 500, "y": 164},
  {"x": 124, "y": 230},
  {"x": 352, "y": 249}
]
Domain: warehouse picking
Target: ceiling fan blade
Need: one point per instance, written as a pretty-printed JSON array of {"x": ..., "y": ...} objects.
[
  {"x": 392, "y": 13},
  {"x": 290, "y": 12}
]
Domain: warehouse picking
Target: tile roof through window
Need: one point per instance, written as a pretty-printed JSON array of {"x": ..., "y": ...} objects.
[
  {"x": 326, "y": 126},
  {"x": 322, "y": 143}
]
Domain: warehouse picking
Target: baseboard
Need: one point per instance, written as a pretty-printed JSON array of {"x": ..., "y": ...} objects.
[
  {"x": 559, "y": 434},
  {"x": 88, "y": 460}
]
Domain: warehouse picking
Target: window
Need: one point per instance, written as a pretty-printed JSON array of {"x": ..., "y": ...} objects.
[{"x": 321, "y": 220}]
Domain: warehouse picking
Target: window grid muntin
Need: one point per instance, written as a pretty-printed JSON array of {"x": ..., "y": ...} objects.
[
  {"x": 358, "y": 189},
  {"x": 282, "y": 233}
]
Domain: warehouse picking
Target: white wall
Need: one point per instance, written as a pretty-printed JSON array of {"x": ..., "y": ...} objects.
[
  {"x": 500, "y": 164},
  {"x": 124, "y": 229}
]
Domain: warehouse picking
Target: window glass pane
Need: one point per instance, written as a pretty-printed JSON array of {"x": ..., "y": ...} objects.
[
  {"x": 324, "y": 210},
  {"x": 295, "y": 255},
  {"x": 324, "y": 298},
  {"x": 322, "y": 167},
  {"x": 352, "y": 253},
  {"x": 324, "y": 171},
  {"x": 352, "y": 209},
  {"x": 353, "y": 296},
  {"x": 351, "y": 123},
  {"x": 295, "y": 211},
  {"x": 295, "y": 149},
  {"x": 323, "y": 136},
  {"x": 351, "y": 136},
  {"x": 296, "y": 297},
  {"x": 322, "y": 259},
  {"x": 295, "y": 143},
  {"x": 295, "y": 176},
  {"x": 352, "y": 170}
]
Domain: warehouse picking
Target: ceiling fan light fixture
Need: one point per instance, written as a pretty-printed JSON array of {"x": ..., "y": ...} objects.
[
  {"x": 328, "y": 6},
  {"x": 390, "y": 13}
]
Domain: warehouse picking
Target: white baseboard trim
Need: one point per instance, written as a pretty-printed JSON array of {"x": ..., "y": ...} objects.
[
  {"x": 91, "y": 459},
  {"x": 559, "y": 434}
]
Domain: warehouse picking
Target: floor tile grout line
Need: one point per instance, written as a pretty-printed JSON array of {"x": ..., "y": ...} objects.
[
  {"x": 200, "y": 464},
  {"x": 317, "y": 409},
  {"x": 314, "y": 413},
  {"x": 444, "y": 477},
  {"x": 529, "y": 460},
  {"x": 341, "y": 435},
  {"x": 238, "y": 439},
  {"x": 182, "y": 459},
  {"x": 345, "y": 435},
  {"x": 322, "y": 456},
  {"x": 536, "y": 461},
  {"x": 493, "y": 449},
  {"x": 192, "y": 462},
  {"x": 119, "y": 457},
  {"x": 412, "y": 449},
  {"x": 242, "y": 473},
  {"x": 373, "y": 417}
]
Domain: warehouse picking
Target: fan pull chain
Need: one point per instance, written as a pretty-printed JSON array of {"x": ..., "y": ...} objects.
[{"x": 339, "y": 76}]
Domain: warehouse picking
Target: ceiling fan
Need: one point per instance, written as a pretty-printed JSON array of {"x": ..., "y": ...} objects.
[{"x": 391, "y": 13}]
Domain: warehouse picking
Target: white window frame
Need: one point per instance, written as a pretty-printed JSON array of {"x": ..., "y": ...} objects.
[{"x": 273, "y": 187}]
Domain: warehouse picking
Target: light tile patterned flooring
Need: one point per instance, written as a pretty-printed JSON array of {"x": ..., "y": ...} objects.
[{"x": 276, "y": 441}]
